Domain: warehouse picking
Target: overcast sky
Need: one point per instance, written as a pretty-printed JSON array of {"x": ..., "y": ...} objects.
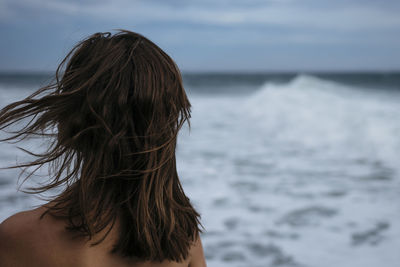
[{"x": 212, "y": 35}]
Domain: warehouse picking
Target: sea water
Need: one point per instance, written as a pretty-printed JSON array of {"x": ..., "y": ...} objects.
[{"x": 285, "y": 169}]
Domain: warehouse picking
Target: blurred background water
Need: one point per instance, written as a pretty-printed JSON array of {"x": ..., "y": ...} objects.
[{"x": 286, "y": 169}]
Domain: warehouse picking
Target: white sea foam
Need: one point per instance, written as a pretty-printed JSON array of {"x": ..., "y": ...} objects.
[{"x": 297, "y": 174}]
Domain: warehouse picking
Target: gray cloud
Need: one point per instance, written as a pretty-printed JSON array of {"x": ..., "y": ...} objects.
[
  {"x": 341, "y": 16},
  {"x": 292, "y": 32}
]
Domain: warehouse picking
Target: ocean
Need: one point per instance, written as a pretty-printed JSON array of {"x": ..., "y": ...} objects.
[{"x": 286, "y": 169}]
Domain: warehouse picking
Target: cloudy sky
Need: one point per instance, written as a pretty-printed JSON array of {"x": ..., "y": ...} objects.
[{"x": 212, "y": 35}]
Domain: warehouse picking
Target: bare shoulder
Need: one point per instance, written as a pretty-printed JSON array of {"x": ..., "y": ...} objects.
[
  {"x": 17, "y": 228},
  {"x": 18, "y": 235},
  {"x": 18, "y": 222},
  {"x": 197, "y": 258}
]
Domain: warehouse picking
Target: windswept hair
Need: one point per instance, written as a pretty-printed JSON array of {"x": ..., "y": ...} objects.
[{"x": 112, "y": 114}]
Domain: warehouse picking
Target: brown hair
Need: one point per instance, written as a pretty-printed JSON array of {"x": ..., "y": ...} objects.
[{"x": 113, "y": 114}]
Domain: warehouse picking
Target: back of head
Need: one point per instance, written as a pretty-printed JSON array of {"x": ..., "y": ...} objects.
[{"x": 117, "y": 103}]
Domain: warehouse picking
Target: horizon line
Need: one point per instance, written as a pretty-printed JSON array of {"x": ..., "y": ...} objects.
[{"x": 229, "y": 72}]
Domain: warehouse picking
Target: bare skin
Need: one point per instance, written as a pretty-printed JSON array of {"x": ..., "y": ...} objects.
[{"x": 25, "y": 240}]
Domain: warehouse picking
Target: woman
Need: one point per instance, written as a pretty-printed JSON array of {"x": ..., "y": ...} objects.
[{"x": 113, "y": 115}]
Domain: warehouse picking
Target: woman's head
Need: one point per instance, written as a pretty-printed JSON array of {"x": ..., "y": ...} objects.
[
  {"x": 120, "y": 85},
  {"x": 117, "y": 104}
]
